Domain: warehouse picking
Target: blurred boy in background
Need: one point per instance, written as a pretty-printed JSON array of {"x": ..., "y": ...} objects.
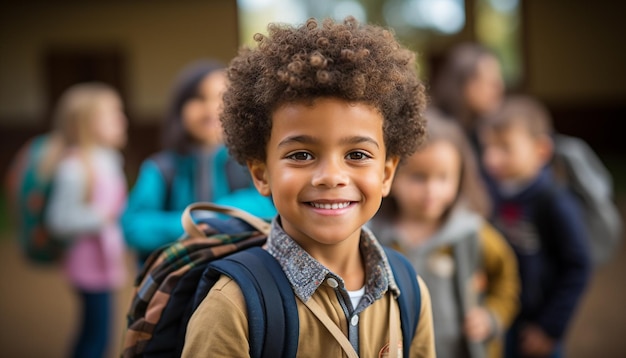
[{"x": 540, "y": 219}]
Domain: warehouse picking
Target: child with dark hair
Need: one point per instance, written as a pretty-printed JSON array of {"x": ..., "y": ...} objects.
[
  {"x": 435, "y": 215},
  {"x": 468, "y": 86},
  {"x": 322, "y": 113},
  {"x": 194, "y": 166},
  {"x": 541, "y": 220}
]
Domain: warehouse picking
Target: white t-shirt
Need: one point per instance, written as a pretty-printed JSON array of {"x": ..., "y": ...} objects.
[{"x": 355, "y": 296}]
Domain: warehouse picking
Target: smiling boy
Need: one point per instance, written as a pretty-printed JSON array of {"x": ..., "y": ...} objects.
[{"x": 322, "y": 114}]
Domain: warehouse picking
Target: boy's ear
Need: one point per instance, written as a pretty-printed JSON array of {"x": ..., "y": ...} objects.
[
  {"x": 258, "y": 171},
  {"x": 390, "y": 171}
]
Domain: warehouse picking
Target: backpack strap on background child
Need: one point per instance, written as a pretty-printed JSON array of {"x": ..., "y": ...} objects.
[
  {"x": 273, "y": 322},
  {"x": 166, "y": 163},
  {"x": 410, "y": 299}
]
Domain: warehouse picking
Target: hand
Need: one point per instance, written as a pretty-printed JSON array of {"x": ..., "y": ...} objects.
[
  {"x": 535, "y": 342},
  {"x": 478, "y": 324}
]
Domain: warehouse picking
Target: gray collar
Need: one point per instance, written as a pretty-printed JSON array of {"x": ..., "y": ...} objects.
[{"x": 306, "y": 274}]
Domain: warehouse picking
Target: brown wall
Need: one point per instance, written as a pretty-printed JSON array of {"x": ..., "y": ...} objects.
[
  {"x": 156, "y": 39},
  {"x": 575, "y": 62},
  {"x": 149, "y": 41},
  {"x": 574, "y": 50}
]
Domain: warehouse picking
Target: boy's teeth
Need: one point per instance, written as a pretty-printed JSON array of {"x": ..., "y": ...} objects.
[{"x": 333, "y": 206}]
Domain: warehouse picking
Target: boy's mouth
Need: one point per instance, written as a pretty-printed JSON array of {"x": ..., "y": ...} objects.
[{"x": 330, "y": 206}]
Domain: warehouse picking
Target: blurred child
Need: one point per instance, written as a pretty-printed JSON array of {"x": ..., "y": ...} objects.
[
  {"x": 194, "y": 166},
  {"x": 87, "y": 197},
  {"x": 541, "y": 221},
  {"x": 468, "y": 86},
  {"x": 434, "y": 215},
  {"x": 322, "y": 113}
]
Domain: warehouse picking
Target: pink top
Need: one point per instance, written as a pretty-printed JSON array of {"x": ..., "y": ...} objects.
[{"x": 96, "y": 259}]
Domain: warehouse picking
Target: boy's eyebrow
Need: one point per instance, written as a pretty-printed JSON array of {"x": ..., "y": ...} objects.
[{"x": 305, "y": 139}]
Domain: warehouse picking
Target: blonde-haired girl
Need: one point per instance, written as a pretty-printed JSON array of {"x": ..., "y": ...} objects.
[{"x": 88, "y": 195}]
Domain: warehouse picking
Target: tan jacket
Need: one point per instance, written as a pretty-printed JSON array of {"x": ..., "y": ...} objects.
[
  {"x": 219, "y": 327},
  {"x": 502, "y": 284}
]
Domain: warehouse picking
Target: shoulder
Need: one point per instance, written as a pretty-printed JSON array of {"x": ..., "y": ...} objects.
[
  {"x": 225, "y": 294},
  {"x": 424, "y": 292},
  {"x": 219, "y": 326},
  {"x": 424, "y": 296},
  {"x": 494, "y": 246},
  {"x": 172, "y": 163},
  {"x": 70, "y": 166},
  {"x": 489, "y": 235},
  {"x": 559, "y": 202},
  {"x": 159, "y": 163},
  {"x": 423, "y": 344},
  {"x": 560, "y": 213},
  {"x": 222, "y": 152},
  {"x": 164, "y": 158},
  {"x": 107, "y": 158}
]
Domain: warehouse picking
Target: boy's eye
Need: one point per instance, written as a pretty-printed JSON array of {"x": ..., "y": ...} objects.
[
  {"x": 357, "y": 156},
  {"x": 300, "y": 156}
]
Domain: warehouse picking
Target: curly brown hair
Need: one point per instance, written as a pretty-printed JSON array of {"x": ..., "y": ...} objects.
[{"x": 347, "y": 60}]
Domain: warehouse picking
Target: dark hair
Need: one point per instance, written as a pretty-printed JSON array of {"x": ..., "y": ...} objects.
[
  {"x": 472, "y": 192},
  {"x": 448, "y": 86},
  {"x": 174, "y": 135},
  {"x": 349, "y": 61},
  {"x": 522, "y": 110}
]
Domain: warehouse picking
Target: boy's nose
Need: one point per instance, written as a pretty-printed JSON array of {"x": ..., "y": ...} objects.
[{"x": 330, "y": 173}]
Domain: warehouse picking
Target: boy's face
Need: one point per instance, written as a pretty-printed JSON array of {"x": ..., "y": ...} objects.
[
  {"x": 326, "y": 169},
  {"x": 513, "y": 153}
]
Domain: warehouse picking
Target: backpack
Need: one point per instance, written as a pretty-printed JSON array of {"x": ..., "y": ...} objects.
[
  {"x": 585, "y": 175},
  {"x": 29, "y": 190},
  {"x": 177, "y": 278}
]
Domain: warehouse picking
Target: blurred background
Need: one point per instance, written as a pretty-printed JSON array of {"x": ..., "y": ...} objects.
[{"x": 569, "y": 54}]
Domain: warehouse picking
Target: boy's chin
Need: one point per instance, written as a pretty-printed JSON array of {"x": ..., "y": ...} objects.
[{"x": 328, "y": 239}]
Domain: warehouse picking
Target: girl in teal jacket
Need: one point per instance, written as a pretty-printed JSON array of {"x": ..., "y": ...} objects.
[{"x": 194, "y": 166}]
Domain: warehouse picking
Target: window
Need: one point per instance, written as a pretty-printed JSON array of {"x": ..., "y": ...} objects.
[{"x": 498, "y": 27}]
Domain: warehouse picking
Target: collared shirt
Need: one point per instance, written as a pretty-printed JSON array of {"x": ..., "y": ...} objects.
[
  {"x": 306, "y": 274},
  {"x": 219, "y": 326}
]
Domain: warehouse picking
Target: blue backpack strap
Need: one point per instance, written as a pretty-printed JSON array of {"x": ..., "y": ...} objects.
[
  {"x": 273, "y": 321},
  {"x": 166, "y": 162},
  {"x": 410, "y": 299}
]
